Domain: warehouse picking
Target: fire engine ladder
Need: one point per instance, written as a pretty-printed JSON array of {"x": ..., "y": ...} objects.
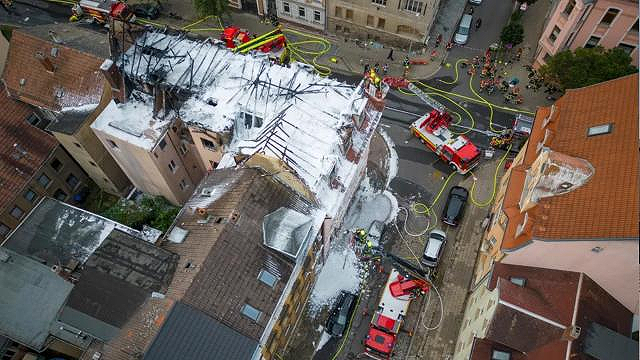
[
  {"x": 259, "y": 41},
  {"x": 426, "y": 98}
]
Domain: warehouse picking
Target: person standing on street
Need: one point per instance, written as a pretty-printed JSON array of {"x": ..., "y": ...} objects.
[{"x": 390, "y": 56}]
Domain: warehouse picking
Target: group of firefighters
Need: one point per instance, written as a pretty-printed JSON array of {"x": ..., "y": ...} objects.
[{"x": 490, "y": 80}]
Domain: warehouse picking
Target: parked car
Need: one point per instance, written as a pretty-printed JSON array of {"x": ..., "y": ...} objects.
[
  {"x": 341, "y": 313},
  {"x": 462, "y": 34},
  {"x": 147, "y": 10},
  {"x": 454, "y": 209},
  {"x": 433, "y": 249}
]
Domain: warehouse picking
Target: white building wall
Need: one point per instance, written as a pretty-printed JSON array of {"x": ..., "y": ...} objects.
[{"x": 314, "y": 13}]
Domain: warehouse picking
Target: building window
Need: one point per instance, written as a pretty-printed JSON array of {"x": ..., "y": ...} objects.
[
  {"x": 338, "y": 27},
  {"x": 44, "y": 180},
  {"x": 16, "y": 212},
  {"x": 520, "y": 281},
  {"x": 569, "y": 7},
  {"x": 379, "y": 2},
  {"x": 369, "y": 20},
  {"x": 183, "y": 149},
  {"x": 56, "y": 165},
  {"x": 30, "y": 195},
  {"x": 316, "y": 15},
  {"x": 267, "y": 278},
  {"x": 251, "y": 312},
  {"x": 183, "y": 184},
  {"x": 72, "y": 181},
  {"x": 599, "y": 130},
  {"x": 93, "y": 164},
  {"x": 349, "y": 14},
  {"x": 301, "y": 11},
  {"x": 634, "y": 28},
  {"x": 209, "y": 145},
  {"x": 162, "y": 144},
  {"x": 546, "y": 57},
  {"x": 286, "y": 8},
  {"x": 592, "y": 42},
  {"x": 251, "y": 120},
  {"x": 608, "y": 18},
  {"x": 626, "y": 48},
  {"x": 112, "y": 144},
  {"x": 554, "y": 34},
  {"x": 4, "y": 229},
  {"x": 413, "y": 6},
  {"x": 60, "y": 195},
  {"x": 500, "y": 355},
  {"x": 338, "y": 13},
  {"x": 381, "y": 23},
  {"x": 172, "y": 166},
  {"x": 77, "y": 145},
  {"x": 38, "y": 122}
]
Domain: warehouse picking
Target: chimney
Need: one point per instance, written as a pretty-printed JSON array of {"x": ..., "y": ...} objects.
[
  {"x": 571, "y": 333},
  {"x": 115, "y": 79},
  {"x": 45, "y": 61}
]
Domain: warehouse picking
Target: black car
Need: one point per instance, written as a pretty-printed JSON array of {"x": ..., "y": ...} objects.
[
  {"x": 341, "y": 313},
  {"x": 147, "y": 10},
  {"x": 454, "y": 209}
]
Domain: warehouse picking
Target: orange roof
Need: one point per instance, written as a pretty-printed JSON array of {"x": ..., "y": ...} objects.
[{"x": 607, "y": 206}]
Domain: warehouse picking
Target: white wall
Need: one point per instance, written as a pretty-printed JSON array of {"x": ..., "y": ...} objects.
[{"x": 308, "y": 19}]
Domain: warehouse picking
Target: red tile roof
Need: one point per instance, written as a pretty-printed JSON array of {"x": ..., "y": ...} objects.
[
  {"x": 23, "y": 148},
  {"x": 608, "y": 205},
  {"x": 76, "y": 80}
]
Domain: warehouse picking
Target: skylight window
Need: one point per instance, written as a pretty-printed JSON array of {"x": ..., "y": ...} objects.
[
  {"x": 518, "y": 281},
  {"x": 251, "y": 312},
  {"x": 267, "y": 278},
  {"x": 600, "y": 129}
]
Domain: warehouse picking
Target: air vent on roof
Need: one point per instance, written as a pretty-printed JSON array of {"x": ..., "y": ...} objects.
[
  {"x": 23, "y": 81},
  {"x": 518, "y": 281}
]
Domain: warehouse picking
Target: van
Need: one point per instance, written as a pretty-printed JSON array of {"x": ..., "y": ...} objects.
[{"x": 462, "y": 35}]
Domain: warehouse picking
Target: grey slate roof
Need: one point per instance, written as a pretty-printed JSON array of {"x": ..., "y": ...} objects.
[
  {"x": 31, "y": 296},
  {"x": 603, "y": 343},
  {"x": 70, "y": 121},
  {"x": 189, "y": 334},
  {"x": 73, "y": 36}
]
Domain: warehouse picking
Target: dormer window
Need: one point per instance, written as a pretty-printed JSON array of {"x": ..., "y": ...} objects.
[{"x": 252, "y": 120}]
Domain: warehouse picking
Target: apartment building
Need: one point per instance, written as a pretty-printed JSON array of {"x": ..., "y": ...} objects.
[
  {"x": 309, "y": 13},
  {"x": 399, "y": 22},
  {"x": 56, "y": 69},
  {"x": 570, "y": 199},
  {"x": 33, "y": 165},
  {"x": 587, "y": 23},
  {"x": 521, "y": 312}
]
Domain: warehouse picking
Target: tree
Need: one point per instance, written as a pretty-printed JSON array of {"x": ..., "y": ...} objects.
[
  {"x": 585, "y": 67},
  {"x": 156, "y": 212},
  {"x": 512, "y": 33},
  {"x": 211, "y": 7}
]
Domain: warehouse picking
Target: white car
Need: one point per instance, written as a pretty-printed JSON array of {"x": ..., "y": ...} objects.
[
  {"x": 462, "y": 35},
  {"x": 433, "y": 249}
]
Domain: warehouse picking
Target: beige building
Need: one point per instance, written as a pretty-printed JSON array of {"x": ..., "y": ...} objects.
[
  {"x": 391, "y": 21},
  {"x": 56, "y": 68},
  {"x": 561, "y": 206},
  {"x": 587, "y": 23}
]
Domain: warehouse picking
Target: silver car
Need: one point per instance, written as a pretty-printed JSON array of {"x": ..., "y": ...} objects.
[
  {"x": 462, "y": 35},
  {"x": 433, "y": 249}
]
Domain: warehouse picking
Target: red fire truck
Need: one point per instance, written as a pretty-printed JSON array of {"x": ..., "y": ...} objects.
[
  {"x": 385, "y": 325},
  {"x": 433, "y": 130}
]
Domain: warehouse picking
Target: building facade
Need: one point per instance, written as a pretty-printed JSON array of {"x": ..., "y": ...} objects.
[
  {"x": 547, "y": 212},
  {"x": 309, "y": 13},
  {"x": 583, "y": 23},
  {"x": 400, "y": 22},
  {"x": 56, "y": 69}
]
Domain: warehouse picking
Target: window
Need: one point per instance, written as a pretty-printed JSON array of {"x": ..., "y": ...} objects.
[
  {"x": 316, "y": 15},
  {"x": 93, "y": 164},
  {"x": 520, "y": 281},
  {"x": 338, "y": 27},
  {"x": 30, "y": 195},
  {"x": 251, "y": 120},
  {"x": 634, "y": 28},
  {"x": 608, "y": 18},
  {"x": 56, "y": 165},
  {"x": 44, "y": 180},
  {"x": 413, "y": 6},
  {"x": 286, "y": 8},
  {"x": 251, "y": 312},
  {"x": 162, "y": 144},
  {"x": 381, "y": 23},
  {"x": 60, "y": 195},
  {"x": 349, "y": 14},
  {"x": 379, "y": 2},
  {"x": 592, "y": 42},
  {"x": 569, "y": 8},
  {"x": 38, "y": 122},
  {"x": 554, "y": 34},
  {"x": 301, "y": 11},
  {"x": 500, "y": 355},
  {"x": 112, "y": 144},
  {"x": 369, "y": 20},
  {"x": 546, "y": 57},
  {"x": 183, "y": 184},
  {"x": 72, "y": 181},
  {"x": 209, "y": 145},
  {"x": 338, "y": 13},
  {"x": 172, "y": 166},
  {"x": 626, "y": 48},
  {"x": 4, "y": 229},
  {"x": 257, "y": 121},
  {"x": 77, "y": 145},
  {"x": 599, "y": 130},
  {"x": 267, "y": 278},
  {"x": 16, "y": 212},
  {"x": 183, "y": 148}
]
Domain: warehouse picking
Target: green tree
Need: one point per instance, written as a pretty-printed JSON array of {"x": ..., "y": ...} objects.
[
  {"x": 512, "y": 33},
  {"x": 156, "y": 212},
  {"x": 585, "y": 67},
  {"x": 211, "y": 7}
]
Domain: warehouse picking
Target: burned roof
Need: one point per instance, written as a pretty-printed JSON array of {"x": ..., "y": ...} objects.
[
  {"x": 23, "y": 148},
  {"x": 56, "y": 71},
  {"x": 189, "y": 334}
]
